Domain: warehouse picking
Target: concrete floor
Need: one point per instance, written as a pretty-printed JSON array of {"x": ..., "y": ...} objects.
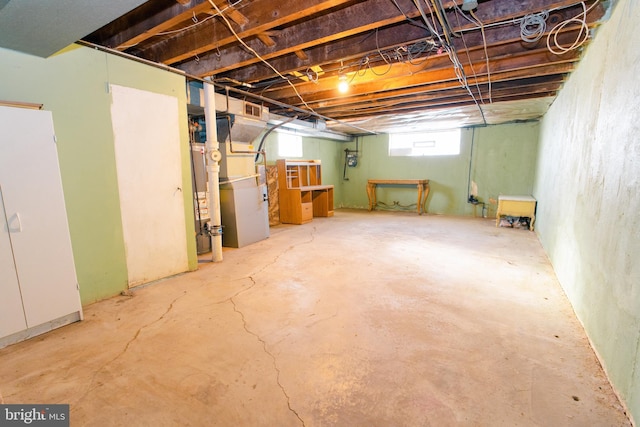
[{"x": 363, "y": 319}]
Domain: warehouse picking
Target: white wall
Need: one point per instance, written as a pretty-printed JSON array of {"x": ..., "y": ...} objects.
[{"x": 588, "y": 185}]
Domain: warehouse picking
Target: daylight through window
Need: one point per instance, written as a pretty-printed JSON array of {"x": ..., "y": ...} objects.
[
  {"x": 289, "y": 145},
  {"x": 441, "y": 143}
]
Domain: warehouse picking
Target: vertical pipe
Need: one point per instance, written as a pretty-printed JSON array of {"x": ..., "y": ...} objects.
[{"x": 213, "y": 171}]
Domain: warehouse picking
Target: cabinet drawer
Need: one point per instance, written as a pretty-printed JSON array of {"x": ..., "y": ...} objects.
[
  {"x": 517, "y": 208},
  {"x": 307, "y": 212}
]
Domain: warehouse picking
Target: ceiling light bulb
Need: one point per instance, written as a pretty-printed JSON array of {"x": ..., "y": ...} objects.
[
  {"x": 343, "y": 85},
  {"x": 468, "y": 5}
]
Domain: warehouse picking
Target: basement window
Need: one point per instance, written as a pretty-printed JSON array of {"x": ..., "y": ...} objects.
[
  {"x": 441, "y": 143},
  {"x": 289, "y": 145}
]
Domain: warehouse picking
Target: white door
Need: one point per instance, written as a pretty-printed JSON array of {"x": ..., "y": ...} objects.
[
  {"x": 147, "y": 145},
  {"x": 36, "y": 215},
  {"x": 12, "y": 317}
]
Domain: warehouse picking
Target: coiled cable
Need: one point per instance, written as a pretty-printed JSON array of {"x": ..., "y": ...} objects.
[{"x": 533, "y": 27}]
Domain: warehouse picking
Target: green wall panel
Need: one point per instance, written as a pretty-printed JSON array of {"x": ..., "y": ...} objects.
[
  {"x": 73, "y": 84},
  {"x": 504, "y": 161},
  {"x": 587, "y": 183},
  {"x": 501, "y": 160}
]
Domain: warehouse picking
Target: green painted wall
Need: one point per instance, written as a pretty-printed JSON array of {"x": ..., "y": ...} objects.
[
  {"x": 326, "y": 150},
  {"x": 587, "y": 185},
  {"x": 73, "y": 85},
  {"x": 503, "y": 162}
]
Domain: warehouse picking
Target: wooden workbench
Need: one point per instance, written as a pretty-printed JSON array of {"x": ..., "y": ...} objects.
[{"x": 422, "y": 186}]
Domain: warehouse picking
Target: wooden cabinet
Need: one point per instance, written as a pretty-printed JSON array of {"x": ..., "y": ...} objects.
[
  {"x": 523, "y": 206},
  {"x": 301, "y": 192},
  {"x": 38, "y": 285}
]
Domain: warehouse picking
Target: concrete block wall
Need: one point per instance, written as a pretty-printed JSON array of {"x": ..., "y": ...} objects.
[{"x": 587, "y": 184}]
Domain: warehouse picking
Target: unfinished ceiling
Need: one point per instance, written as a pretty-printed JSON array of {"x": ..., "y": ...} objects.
[
  {"x": 42, "y": 28},
  {"x": 406, "y": 63}
]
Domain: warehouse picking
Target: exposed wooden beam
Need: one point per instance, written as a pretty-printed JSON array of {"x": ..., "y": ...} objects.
[
  {"x": 266, "y": 40},
  {"x": 237, "y": 17},
  {"x": 301, "y": 55},
  {"x": 263, "y": 16},
  {"x": 437, "y": 98},
  {"x": 357, "y": 47},
  {"x": 434, "y": 106},
  {"x": 437, "y": 79},
  {"x": 386, "y": 77},
  {"x": 395, "y": 62},
  {"x": 427, "y": 93},
  {"x": 323, "y": 30},
  {"x": 158, "y": 22}
]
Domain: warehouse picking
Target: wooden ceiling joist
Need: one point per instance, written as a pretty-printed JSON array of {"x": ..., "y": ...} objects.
[{"x": 391, "y": 56}]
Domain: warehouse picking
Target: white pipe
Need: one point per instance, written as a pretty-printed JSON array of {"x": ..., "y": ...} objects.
[{"x": 213, "y": 171}]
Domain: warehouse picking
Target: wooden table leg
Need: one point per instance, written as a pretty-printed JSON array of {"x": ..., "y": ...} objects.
[
  {"x": 375, "y": 196},
  {"x": 419, "y": 208},
  {"x": 371, "y": 195},
  {"x": 424, "y": 198}
]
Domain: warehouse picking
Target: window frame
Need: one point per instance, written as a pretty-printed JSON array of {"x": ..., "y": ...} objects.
[
  {"x": 285, "y": 137},
  {"x": 444, "y": 142}
]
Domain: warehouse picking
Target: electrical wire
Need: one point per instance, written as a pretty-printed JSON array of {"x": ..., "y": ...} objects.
[
  {"x": 196, "y": 23},
  {"x": 417, "y": 49},
  {"x": 466, "y": 49},
  {"x": 242, "y": 42},
  {"x": 486, "y": 53},
  {"x": 400, "y": 54},
  {"x": 188, "y": 27},
  {"x": 515, "y": 21},
  {"x": 410, "y": 20},
  {"x": 442, "y": 19},
  {"x": 431, "y": 27},
  {"x": 533, "y": 26},
  {"x": 384, "y": 58},
  {"x": 410, "y": 53},
  {"x": 453, "y": 57},
  {"x": 581, "y": 38},
  {"x": 445, "y": 19},
  {"x": 447, "y": 46},
  {"x": 312, "y": 75},
  {"x": 473, "y": 137}
]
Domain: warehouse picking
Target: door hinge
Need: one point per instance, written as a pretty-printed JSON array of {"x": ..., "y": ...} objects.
[
  {"x": 55, "y": 139},
  {"x": 78, "y": 286}
]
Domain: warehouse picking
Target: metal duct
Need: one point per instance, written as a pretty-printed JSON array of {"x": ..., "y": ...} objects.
[{"x": 238, "y": 129}]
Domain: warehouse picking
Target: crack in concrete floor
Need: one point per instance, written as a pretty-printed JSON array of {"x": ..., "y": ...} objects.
[
  {"x": 244, "y": 321},
  {"x": 380, "y": 321},
  {"x": 273, "y": 358},
  {"x": 93, "y": 387}
]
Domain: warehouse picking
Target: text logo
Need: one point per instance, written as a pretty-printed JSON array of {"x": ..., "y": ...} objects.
[{"x": 34, "y": 415}]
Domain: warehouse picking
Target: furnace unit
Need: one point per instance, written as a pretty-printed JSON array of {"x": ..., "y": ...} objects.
[{"x": 243, "y": 189}]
